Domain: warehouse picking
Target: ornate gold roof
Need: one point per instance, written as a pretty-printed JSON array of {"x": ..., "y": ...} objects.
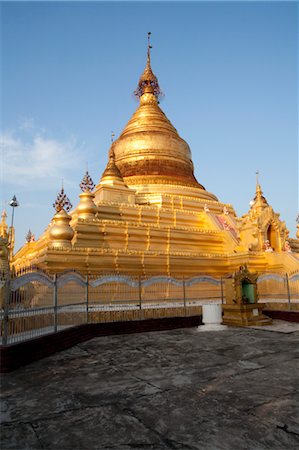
[{"x": 149, "y": 149}]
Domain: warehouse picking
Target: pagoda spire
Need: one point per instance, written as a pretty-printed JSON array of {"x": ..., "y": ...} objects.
[
  {"x": 148, "y": 82},
  {"x": 149, "y": 49},
  {"x": 60, "y": 231},
  {"x": 112, "y": 171},
  {"x": 259, "y": 199},
  {"x": 62, "y": 202},
  {"x": 86, "y": 208},
  {"x": 87, "y": 184},
  {"x": 3, "y": 224}
]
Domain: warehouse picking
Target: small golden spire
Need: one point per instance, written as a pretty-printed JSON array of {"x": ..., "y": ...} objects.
[
  {"x": 112, "y": 170},
  {"x": 3, "y": 224},
  {"x": 3, "y": 216},
  {"x": 259, "y": 199}
]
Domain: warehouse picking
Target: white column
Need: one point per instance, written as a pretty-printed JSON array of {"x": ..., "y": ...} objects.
[{"x": 211, "y": 318}]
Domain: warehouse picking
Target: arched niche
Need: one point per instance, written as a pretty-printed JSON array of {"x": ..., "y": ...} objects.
[{"x": 273, "y": 237}]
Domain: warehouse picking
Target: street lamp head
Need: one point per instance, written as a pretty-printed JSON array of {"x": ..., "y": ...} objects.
[{"x": 14, "y": 202}]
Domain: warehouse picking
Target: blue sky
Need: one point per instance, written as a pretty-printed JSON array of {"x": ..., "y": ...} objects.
[{"x": 229, "y": 71}]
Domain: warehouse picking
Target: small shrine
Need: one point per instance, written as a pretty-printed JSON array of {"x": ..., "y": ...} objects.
[{"x": 242, "y": 308}]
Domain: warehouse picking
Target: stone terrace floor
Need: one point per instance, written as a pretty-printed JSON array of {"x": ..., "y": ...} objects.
[{"x": 179, "y": 389}]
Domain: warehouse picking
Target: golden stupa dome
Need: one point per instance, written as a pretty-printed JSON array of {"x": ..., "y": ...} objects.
[{"x": 149, "y": 150}]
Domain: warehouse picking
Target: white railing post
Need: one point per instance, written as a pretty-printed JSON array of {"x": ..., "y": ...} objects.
[{"x": 55, "y": 301}]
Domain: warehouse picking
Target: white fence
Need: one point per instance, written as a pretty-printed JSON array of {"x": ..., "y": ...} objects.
[{"x": 36, "y": 303}]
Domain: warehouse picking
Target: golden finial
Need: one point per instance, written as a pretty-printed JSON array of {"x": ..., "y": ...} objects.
[
  {"x": 3, "y": 224},
  {"x": 87, "y": 184},
  {"x": 111, "y": 169},
  {"x": 30, "y": 236},
  {"x": 259, "y": 198},
  {"x": 148, "y": 82},
  {"x": 62, "y": 202},
  {"x": 112, "y": 136},
  {"x": 258, "y": 190},
  {"x": 4, "y": 215},
  {"x": 149, "y": 48},
  {"x": 257, "y": 177}
]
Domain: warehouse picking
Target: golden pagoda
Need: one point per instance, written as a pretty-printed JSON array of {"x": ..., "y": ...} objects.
[{"x": 149, "y": 215}]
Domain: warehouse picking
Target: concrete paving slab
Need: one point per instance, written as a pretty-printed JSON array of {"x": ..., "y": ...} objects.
[
  {"x": 176, "y": 389},
  {"x": 280, "y": 326}
]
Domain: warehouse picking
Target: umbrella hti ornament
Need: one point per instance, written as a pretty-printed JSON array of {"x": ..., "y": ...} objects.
[
  {"x": 62, "y": 202},
  {"x": 87, "y": 184},
  {"x": 29, "y": 236}
]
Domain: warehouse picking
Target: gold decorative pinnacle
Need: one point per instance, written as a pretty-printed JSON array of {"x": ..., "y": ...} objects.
[
  {"x": 149, "y": 48},
  {"x": 87, "y": 184},
  {"x": 4, "y": 215},
  {"x": 148, "y": 82},
  {"x": 111, "y": 169},
  {"x": 259, "y": 197},
  {"x": 257, "y": 177},
  {"x": 62, "y": 202},
  {"x": 29, "y": 236}
]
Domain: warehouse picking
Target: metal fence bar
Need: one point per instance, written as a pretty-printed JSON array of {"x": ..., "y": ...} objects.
[
  {"x": 87, "y": 296},
  {"x": 288, "y": 291},
  {"x": 140, "y": 293},
  {"x": 6, "y": 309},
  {"x": 55, "y": 302},
  {"x": 184, "y": 296},
  {"x": 222, "y": 295}
]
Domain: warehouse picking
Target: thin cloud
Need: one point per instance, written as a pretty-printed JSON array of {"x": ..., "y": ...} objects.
[
  {"x": 29, "y": 125},
  {"x": 38, "y": 160}
]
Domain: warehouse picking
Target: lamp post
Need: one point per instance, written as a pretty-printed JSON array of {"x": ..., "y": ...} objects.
[{"x": 14, "y": 204}]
